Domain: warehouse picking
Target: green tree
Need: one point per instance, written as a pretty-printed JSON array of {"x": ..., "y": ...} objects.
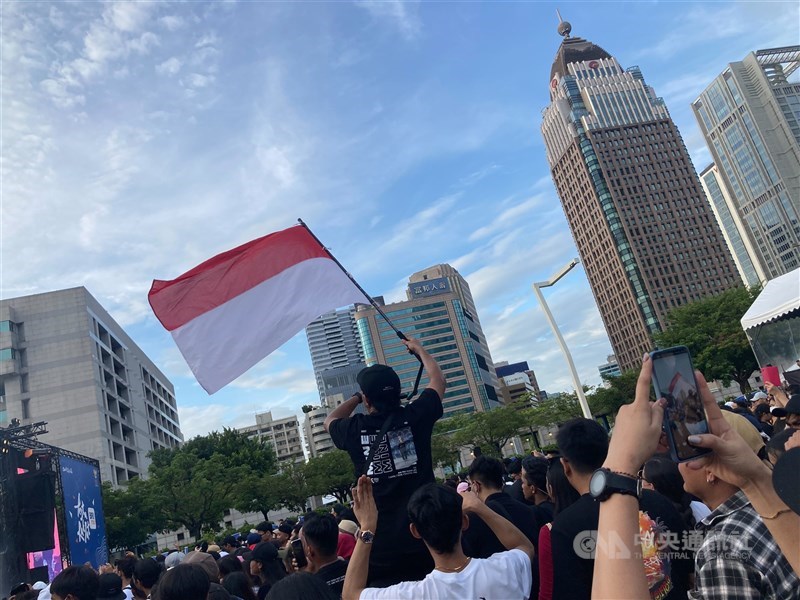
[
  {"x": 620, "y": 390},
  {"x": 711, "y": 329},
  {"x": 493, "y": 429},
  {"x": 445, "y": 450},
  {"x": 292, "y": 487},
  {"x": 258, "y": 492},
  {"x": 331, "y": 473},
  {"x": 556, "y": 409},
  {"x": 194, "y": 484},
  {"x": 128, "y": 514}
]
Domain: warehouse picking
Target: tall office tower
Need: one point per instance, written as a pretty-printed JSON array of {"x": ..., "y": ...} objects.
[
  {"x": 283, "y": 434},
  {"x": 64, "y": 360},
  {"x": 733, "y": 228},
  {"x": 643, "y": 228},
  {"x": 750, "y": 117},
  {"x": 441, "y": 313},
  {"x": 336, "y": 352}
]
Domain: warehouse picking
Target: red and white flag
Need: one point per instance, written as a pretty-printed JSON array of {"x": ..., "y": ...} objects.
[{"x": 234, "y": 309}]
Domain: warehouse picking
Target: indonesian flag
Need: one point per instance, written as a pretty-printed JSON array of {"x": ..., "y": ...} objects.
[
  {"x": 234, "y": 309},
  {"x": 679, "y": 387}
]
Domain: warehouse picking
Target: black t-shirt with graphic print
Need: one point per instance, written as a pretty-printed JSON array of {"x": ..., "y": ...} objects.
[
  {"x": 402, "y": 464},
  {"x": 333, "y": 575}
]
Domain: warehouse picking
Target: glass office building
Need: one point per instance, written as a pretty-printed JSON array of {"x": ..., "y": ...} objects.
[
  {"x": 440, "y": 312},
  {"x": 644, "y": 230},
  {"x": 750, "y": 117}
]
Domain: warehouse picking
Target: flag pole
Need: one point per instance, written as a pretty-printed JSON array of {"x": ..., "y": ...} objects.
[{"x": 374, "y": 304}]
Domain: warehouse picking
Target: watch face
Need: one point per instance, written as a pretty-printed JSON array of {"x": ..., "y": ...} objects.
[
  {"x": 597, "y": 483},
  {"x": 367, "y": 537}
]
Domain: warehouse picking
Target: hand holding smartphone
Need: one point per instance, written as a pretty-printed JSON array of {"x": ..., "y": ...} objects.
[
  {"x": 673, "y": 380},
  {"x": 298, "y": 553}
]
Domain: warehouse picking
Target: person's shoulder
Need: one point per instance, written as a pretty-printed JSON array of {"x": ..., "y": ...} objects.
[
  {"x": 658, "y": 504},
  {"x": 427, "y": 395},
  {"x": 427, "y": 403},
  {"x": 400, "y": 591},
  {"x": 333, "y": 569},
  {"x": 576, "y": 515},
  {"x": 343, "y": 425},
  {"x": 513, "y": 556},
  {"x": 499, "y": 503}
]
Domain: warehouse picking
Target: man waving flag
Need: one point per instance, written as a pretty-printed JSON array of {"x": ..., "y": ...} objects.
[{"x": 236, "y": 308}]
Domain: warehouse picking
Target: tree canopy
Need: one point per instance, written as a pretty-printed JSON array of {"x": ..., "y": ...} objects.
[
  {"x": 711, "y": 329},
  {"x": 129, "y": 516},
  {"x": 330, "y": 474},
  {"x": 620, "y": 390},
  {"x": 192, "y": 486}
]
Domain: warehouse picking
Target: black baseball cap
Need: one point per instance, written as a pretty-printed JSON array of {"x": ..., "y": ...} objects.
[
  {"x": 792, "y": 407},
  {"x": 379, "y": 382},
  {"x": 786, "y": 480},
  {"x": 110, "y": 587},
  {"x": 762, "y": 409},
  {"x": 265, "y": 551}
]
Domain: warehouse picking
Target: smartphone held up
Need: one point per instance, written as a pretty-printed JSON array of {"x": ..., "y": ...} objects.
[
  {"x": 673, "y": 380},
  {"x": 298, "y": 554}
]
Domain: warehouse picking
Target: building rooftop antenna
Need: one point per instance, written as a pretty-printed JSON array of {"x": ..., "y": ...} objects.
[{"x": 564, "y": 27}]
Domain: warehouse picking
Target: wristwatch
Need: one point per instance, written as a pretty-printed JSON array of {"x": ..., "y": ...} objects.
[
  {"x": 360, "y": 397},
  {"x": 365, "y": 536},
  {"x": 605, "y": 482}
]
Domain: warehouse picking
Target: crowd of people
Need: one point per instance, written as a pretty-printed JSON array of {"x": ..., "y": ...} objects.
[{"x": 601, "y": 517}]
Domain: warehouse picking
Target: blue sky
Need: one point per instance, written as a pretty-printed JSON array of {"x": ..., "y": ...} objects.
[{"x": 140, "y": 138}]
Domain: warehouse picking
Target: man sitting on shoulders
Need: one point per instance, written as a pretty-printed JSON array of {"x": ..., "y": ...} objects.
[{"x": 437, "y": 515}]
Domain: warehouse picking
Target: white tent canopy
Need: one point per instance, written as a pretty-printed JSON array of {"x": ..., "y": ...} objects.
[{"x": 779, "y": 297}]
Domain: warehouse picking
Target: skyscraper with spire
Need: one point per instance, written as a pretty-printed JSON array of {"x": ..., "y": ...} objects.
[{"x": 645, "y": 232}]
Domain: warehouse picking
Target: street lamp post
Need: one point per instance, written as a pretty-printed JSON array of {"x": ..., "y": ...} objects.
[{"x": 559, "y": 338}]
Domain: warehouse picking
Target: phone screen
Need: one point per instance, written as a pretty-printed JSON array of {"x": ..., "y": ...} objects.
[
  {"x": 673, "y": 380},
  {"x": 298, "y": 553}
]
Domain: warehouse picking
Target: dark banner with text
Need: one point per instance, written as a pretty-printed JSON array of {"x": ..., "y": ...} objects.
[{"x": 83, "y": 507}]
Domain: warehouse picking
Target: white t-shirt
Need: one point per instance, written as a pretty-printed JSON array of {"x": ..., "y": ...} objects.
[{"x": 502, "y": 576}]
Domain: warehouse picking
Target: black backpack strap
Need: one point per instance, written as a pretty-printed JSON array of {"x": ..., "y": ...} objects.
[{"x": 373, "y": 449}]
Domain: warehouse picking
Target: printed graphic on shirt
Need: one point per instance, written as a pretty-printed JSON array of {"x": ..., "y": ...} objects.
[
  {"x": 656, "y": 563},
  {"x": 382, "y": 463},
  {"x": 401, "y": 443},
  {"x": 396, "y": 455}
]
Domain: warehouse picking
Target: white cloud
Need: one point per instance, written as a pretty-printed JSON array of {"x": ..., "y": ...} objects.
[
  {"x": 275, "y": 162},
  {"x": 508, "y": 217},
  {"x": 103, "y": 43},
  {"x": 144, "y": 43},
  {"x": 196, "y": 80},
  {"x": 129, "y": 16},
  {"x": 56, "y": 18},
  {"x": 477, "y": 176},
  {"x": 171, "y": 66},
  {"x": 61, "y": 94},
  {"x": 172, "y": 22},
  {"x": 709, "y": 23},
  {"x": 208, "y": 39},
  {"x": 684, "y": 89},
  {"x": 402, "y": 14},
  {"x": 294, "y": 380}
]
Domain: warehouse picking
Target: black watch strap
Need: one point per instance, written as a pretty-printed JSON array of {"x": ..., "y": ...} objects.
[{"x": 616, "y": 483}]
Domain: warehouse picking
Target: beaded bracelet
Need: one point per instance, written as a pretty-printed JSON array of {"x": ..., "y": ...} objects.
[{"x": 626, "y": 474}]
